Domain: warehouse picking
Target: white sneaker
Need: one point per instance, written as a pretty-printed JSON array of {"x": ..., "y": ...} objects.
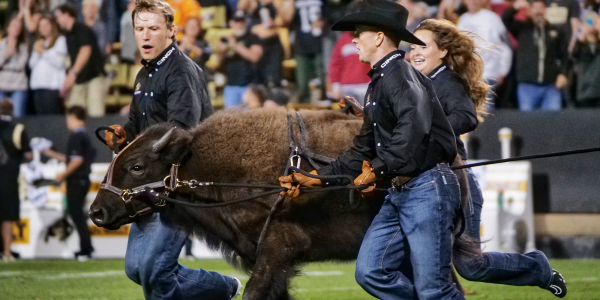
[{"x": 239, "y": 288}]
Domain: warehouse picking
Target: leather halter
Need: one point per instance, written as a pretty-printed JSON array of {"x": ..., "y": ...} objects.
[{"x": 169, "y": 184}]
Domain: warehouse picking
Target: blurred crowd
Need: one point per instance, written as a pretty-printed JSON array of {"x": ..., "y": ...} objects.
[{"x": 538, "y": 54}]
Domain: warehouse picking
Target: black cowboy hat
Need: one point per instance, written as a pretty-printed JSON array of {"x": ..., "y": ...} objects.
[{"x": 381, "y": 13}]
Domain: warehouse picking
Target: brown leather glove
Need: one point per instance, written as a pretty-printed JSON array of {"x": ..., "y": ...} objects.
[
  {"x": 367, "y": 177},
  {"x": 108, "y": 137},
  {"x": 351, "y": 109},
  {"x": 301, "y": 180}
]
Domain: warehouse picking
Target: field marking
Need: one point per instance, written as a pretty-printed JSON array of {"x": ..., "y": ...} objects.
[
  {"x": 86, "y": 274},
  {"x": 49, "y": 275}
]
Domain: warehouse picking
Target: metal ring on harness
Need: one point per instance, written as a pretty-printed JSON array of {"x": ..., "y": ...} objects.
[{"x": 297, "y": 157}]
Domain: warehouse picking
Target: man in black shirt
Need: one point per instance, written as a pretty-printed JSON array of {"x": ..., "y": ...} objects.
[
  {"x": 79, "y": 158},
  {"x": 169, "y": 88},
  {"x": 85, "y": 82},
  {"x": 406, "y": 138},
  {"x": 542, "y": 56},
  {"x": 238, "y": 55}
]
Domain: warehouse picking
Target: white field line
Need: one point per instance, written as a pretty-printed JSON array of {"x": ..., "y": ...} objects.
[
  {"x": 321, "y": 273},
  {"x": 52, "y": 276}
]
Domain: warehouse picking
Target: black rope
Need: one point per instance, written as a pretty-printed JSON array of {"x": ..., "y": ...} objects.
[
  {"x": 115, "y": 136},
  {"x": 213, "y": 205},
  {"x": 545, "y": 155},
  {"x": 280, "y": 199}
]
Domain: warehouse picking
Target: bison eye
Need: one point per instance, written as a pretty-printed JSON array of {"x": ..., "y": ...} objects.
[{"x": 137, "y": 168}]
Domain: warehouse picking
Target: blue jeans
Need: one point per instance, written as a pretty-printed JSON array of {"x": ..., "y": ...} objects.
[
  {"x": 531, "y": 268},
  {"x": 535, "y": 96},
  {"x": 232, "y": 95},
  {"x": 19, "y": 100},
  {"x": 416, "y": 223},
  {"x": 151, "y": 261}
]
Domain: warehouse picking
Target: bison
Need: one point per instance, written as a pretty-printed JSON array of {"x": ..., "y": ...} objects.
[{"x": 250, "y": 147}]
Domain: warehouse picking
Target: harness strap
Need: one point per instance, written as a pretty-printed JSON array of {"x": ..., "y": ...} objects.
[
  {"x": 111, "y": 188},
  {"x": 309, "y": 154}
]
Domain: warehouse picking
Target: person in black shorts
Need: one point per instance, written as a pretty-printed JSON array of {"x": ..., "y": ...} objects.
[{"x": 79, "y": 157}]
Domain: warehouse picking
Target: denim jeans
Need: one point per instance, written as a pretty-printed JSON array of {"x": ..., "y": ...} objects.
[
  {"x": 232, "y": 95},
  {"x": 535, "y": 96},
  {"x": 19, "y": 99},
  {"x": 151, "y": 261},
  {"x": 531, "y": 268},
  {"x": 416, "y": 223}
]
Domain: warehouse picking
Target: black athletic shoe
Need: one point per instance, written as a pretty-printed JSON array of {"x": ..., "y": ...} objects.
[{"x": 558, "y": 285}]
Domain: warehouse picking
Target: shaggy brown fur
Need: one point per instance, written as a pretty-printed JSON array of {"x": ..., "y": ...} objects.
[{"x": 250, "y": 147}]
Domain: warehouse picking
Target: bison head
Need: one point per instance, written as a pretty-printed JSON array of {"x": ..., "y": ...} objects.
[{"x": 147, "y": 159}]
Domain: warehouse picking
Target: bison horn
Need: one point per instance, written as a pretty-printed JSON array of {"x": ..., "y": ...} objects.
[{"x": 164, "y": 140}]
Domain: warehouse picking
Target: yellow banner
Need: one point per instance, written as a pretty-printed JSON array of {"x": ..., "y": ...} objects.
[
  {"x": 103, "y": 232},
  {"x": 21, "y": 231}
]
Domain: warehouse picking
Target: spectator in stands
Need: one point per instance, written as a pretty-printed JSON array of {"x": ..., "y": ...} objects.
[
  {"x": 541, "y": 57},
  {"x": 79, "y": 157},
  {"x": 14, "y": 146},
  {"x": 13, "y": 61},
  {"x": 279, "y": 97},
  {"x": 85, "y": 79},
  {"x": 47, "y": 64},
  {"x": 32, "y": 13},
  {"x": 184, "y": 9},
  {"x": 493, "y": 40},
  {"x": 263, "y": 23},
  {"x": 347, "y": 74},
  {"x": 90, "y": 10},
  {"x": 417, "y": 12},
  {"x": 586, "y": 55},
  {"x": 255, "y": 96},
  {"x": 306, "y": 20},
  {"x": 564, "y": 14},
  {"x": 238, "y": 54},
  {"x": 127, "y": 39},
  {"x": 193, "y": 45}
]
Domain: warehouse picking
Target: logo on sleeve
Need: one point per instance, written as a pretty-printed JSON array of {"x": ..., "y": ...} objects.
[{"x": 137, "y": 88}]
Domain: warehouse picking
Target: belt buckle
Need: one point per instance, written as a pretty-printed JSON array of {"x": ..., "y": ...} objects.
[
  {"x": 399, "y": 181},
  {"x": 395, "y": 184}
]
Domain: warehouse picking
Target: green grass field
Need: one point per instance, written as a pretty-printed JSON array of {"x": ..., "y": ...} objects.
[{"x": 105, "y": 279}]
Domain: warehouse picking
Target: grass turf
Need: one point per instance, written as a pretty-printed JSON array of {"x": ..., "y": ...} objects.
[{"x": 106, "y": 279}]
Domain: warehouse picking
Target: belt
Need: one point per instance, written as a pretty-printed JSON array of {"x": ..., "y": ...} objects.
[{"x": 399, "y": 181}]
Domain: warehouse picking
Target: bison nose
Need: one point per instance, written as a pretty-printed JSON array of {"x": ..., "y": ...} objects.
[{"x": 98, "y": 216}]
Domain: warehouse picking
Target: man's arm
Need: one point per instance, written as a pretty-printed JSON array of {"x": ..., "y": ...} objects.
[
  {"x": 186, "y": 94},
  {"x": 72, "y": 166},
  {"x": 131, "y": 127},
  {"x": 252, "y": 53},
  {"x": 82, "y": 58},
  {"x": 285, "y": 9},
  {"x": 574, "y": 29},
  {"x": 56, "y": 155},
  {"x": 362, "y": 149}
]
